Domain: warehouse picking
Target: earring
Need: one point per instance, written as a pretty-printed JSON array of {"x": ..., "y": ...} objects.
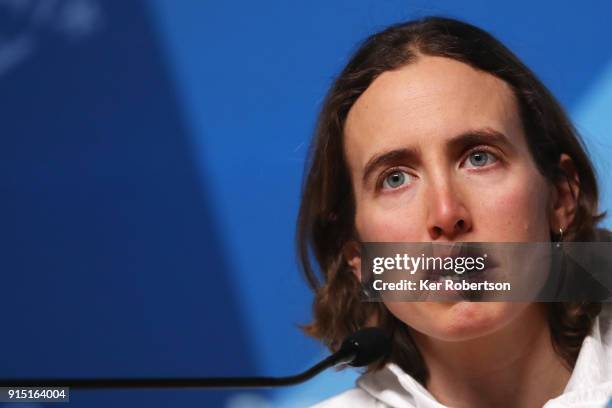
[{"x": 558, "y": 245}]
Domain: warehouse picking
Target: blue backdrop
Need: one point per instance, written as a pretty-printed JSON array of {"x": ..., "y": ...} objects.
[{"x": 151, "y": 155}]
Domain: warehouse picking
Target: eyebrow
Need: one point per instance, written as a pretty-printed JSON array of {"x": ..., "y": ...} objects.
[
  {"x": 460, "y": 142},
  {"x": 389, "y": 158}
]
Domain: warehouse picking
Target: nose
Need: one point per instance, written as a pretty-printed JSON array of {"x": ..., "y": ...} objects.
[{"x": 447, "y": 215}]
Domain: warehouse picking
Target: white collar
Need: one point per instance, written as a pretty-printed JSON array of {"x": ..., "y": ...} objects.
[{"x": 590, "y": 384}]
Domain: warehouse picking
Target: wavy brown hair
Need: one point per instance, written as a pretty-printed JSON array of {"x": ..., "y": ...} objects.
[{"x": 327, "y": 211}]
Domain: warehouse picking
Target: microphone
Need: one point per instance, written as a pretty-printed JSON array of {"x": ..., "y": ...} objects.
[{"x": 359, "y": 349}]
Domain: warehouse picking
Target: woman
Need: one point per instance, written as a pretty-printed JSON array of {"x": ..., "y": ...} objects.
[{"x": 435, "y": 132}]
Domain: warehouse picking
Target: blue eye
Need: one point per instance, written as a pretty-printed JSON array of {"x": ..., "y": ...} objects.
[
  {"x": 395, "y": 179},
  {"x": 481, "y": 158}
]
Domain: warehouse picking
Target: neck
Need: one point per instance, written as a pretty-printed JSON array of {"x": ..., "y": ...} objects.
[{"x": 515, "y": 366}]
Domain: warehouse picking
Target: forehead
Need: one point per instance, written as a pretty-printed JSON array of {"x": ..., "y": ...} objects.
[{"x": 426, "y": 102}]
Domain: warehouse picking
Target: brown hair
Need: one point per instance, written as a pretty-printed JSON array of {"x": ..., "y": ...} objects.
[{"x": 327, "y": 211}]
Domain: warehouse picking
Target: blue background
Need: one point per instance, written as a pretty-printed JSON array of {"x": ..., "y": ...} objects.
[{"x": 151, "y": 156}]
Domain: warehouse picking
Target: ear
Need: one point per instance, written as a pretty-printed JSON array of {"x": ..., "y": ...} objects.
[
  {"x": 352, "y": 253},
  {"x": 565, "y": 195}
]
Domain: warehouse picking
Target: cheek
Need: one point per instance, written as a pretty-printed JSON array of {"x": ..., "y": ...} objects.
[
  {"x": 514, "y": 211},
  {"x": 395, "y": 217},
  {"x": 381, "y": 224}
]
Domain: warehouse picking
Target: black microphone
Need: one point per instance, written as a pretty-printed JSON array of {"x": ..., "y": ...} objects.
[{"x": 359, "y": 349}]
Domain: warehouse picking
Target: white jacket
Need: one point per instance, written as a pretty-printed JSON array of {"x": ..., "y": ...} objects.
[{"x": 590, "y": 384}]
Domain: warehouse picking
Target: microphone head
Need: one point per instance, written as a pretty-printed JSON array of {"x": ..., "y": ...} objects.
[{"x": 368, "y": 345}]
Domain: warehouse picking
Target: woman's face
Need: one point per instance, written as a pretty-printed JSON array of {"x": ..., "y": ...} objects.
[{"x": 437, "y": 153}]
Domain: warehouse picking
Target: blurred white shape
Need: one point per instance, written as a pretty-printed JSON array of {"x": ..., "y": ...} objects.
[
  {"x": 79, "y": 18},
  {"x": 75, "y": 19},
  {"x": 13, "y": 52},
  {"x": 247, "y": 400},
  {"x": 325, "y": 385}
]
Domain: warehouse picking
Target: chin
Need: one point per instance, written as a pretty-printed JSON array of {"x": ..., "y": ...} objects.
[{"x": 457, "y": 321}]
